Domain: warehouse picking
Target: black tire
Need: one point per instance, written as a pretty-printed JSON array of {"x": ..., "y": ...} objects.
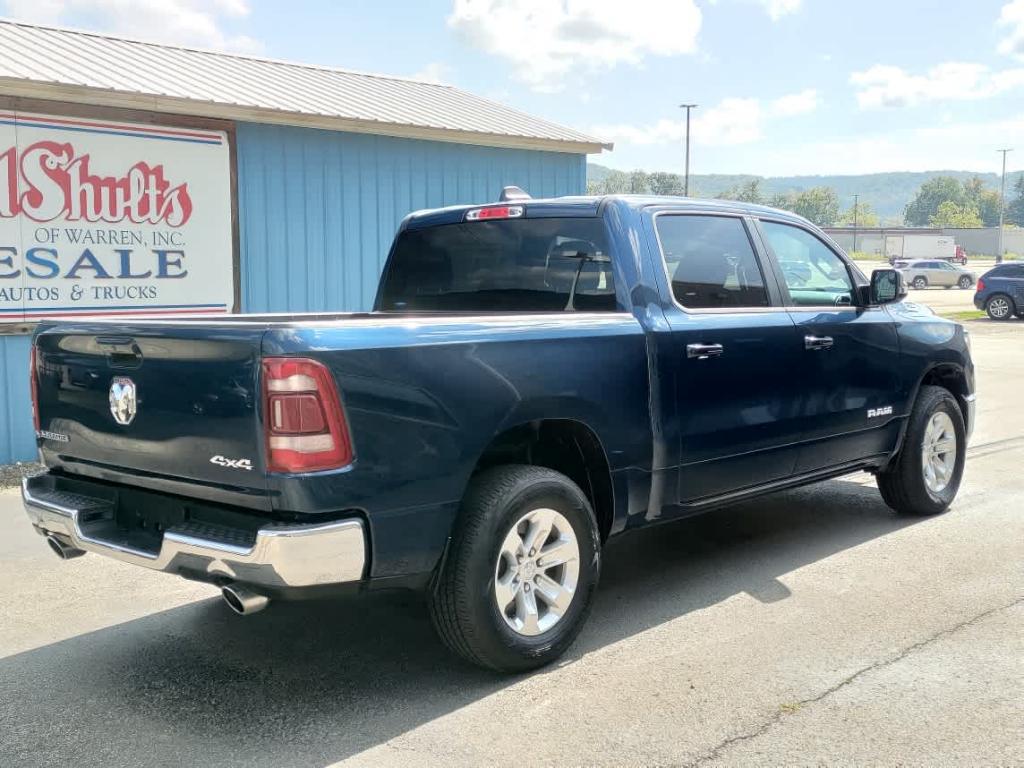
[
  {"x": 965, "y": 282},
  {"x": 462, "y": 604},
  {"x": 903, "y": 484},
  {"x": 920, "y": 283},
  {"x": 1000, "y": 307}
]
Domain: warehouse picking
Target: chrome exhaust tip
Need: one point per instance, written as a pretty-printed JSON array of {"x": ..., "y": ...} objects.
[
  {"x": 62, "y": 549},
  {"x": 243, "y": 601}
]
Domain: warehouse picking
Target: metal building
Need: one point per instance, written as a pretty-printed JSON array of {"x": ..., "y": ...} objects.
[{"x": 148, "y": 179}]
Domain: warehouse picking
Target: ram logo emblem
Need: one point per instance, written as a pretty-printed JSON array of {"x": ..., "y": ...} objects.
[{"x": 885, "y": 410}]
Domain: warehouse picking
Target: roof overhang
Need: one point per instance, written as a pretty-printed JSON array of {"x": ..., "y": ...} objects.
[{"x": 32, "y": 89}]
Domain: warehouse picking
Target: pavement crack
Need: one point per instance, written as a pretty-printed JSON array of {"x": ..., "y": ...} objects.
[{"x": 791, "y": 709}]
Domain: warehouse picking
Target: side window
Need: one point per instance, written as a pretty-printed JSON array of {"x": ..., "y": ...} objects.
[
  {"x": 710, "y": 261},
  {"x": 815, "y": 276}
]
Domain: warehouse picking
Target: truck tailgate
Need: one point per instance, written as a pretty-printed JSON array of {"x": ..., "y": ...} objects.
[{"x": 196, "y": 400}]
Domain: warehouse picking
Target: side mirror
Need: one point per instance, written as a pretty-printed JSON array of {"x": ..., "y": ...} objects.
[{"x": 887, "y": 286}]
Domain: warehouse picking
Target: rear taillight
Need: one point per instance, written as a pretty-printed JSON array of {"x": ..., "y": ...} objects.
[
  {"x": 33, "y": 385},
  {"x": 303, "y": 420},
  {"x": 980, "y": 285}
]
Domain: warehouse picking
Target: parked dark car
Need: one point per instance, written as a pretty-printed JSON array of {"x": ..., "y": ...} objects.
[
  {"x": 1000, "y": 291},
  {"x": 537, "y": 377}
]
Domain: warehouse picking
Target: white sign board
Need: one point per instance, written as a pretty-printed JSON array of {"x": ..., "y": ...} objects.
[{"x": 101, "y": 218}]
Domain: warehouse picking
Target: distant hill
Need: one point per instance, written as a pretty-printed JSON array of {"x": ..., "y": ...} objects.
[{"x": 887, "y": 193}]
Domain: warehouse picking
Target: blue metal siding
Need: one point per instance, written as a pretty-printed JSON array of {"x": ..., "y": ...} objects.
[
  {"x": 318, "y": 209},
  {"x": 17, "y": 437}
]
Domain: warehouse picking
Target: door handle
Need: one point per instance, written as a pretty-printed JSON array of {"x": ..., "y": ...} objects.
[
  {"x": 704, "y": 351},
  {"x": 817, "y": 342}
]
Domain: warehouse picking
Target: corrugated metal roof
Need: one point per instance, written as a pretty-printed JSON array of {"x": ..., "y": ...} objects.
[{"x": 49, "y": 62}]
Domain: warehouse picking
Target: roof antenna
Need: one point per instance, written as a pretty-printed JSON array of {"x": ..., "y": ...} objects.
[{"x": 510, "y": 194}]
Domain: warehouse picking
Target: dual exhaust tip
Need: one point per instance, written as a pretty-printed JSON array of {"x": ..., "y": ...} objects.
[
  {"x": 62, "y": 549},
  {"x": 241, "y": 600}
]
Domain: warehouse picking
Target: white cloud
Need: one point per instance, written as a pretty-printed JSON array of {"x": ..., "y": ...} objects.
[
  {"x": 547, "y": 40},
  {"x": 776, "y": 9},
  {"x": 729, "y": 123},
  {"x": 434, "y": 72},
  {"x": 795, "y": 103},
  {"x": 954, "y": 146},
  {"x": 179, "y": 22},
  {"x": 1012, "y": 18},
  {"x": 888, "y": 86}
]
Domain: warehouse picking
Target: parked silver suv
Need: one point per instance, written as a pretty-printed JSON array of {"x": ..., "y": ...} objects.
[{"x": 924, "y": 273}]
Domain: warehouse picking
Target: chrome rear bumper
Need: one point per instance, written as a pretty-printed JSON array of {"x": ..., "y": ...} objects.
[{"x": 280, "y": 555}]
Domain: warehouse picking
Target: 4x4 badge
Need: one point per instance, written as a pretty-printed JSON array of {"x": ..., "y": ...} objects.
[
  {"x": 224, "y": 461},
  {"x": 123, "y": 400}
]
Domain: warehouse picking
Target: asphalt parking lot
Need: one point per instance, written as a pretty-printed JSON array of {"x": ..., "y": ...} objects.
[{"x": 811, "y": 627}]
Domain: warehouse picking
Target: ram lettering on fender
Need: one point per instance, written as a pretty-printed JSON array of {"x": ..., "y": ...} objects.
[{"x": 223, "y": 461}]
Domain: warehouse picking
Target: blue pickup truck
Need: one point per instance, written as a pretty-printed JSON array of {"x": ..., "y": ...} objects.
[{"x": 537, "y": 376}]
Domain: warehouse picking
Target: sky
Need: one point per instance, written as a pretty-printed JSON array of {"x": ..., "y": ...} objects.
[{"x": 784, "y": 87}]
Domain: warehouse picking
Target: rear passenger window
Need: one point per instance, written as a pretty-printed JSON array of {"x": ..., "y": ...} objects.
[{"x": 711, "y": 263}]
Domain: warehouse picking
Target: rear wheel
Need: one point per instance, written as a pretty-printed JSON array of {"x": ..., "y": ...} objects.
[
  {"x": 520, "y": 574},
  {"x": 965, "y": 282},
  {"x": 924, "y": 477},
  {"x": 1000, "y": 307},
  {"x": 920, "y": 282}
]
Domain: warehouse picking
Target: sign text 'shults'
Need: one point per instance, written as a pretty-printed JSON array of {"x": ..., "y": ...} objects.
[{"x": 50, "y": 180}]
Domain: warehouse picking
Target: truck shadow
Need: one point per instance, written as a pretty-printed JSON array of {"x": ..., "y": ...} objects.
[{"x": 308, "y": 684}]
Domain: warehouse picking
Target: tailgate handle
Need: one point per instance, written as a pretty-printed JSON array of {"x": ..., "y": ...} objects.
[
  {"x": 124, "y": 353},
  {"x": 115, "y": 341}
]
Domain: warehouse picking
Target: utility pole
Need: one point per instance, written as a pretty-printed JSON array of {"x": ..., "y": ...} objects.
[
  {"x": 855, "y": 199},
  {"x": 1002, "y": 206},
  {"x": 686, "y": 177}
]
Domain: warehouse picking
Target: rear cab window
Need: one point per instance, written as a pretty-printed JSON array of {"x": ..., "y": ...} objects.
[
  {"x": 508, "y": 265},
  {"x": 711, "y": 262}
]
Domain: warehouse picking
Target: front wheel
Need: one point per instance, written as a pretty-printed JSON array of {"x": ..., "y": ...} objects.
[
  {"x": 521, "y": 570},
  {"x": 965, "y": 282},
  {"x": 920, "y": 283},
  {"x": 1000, "y": 307},
  {"x": 924, "y": 477}
]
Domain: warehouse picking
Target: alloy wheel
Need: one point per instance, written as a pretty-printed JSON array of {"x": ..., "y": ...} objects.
[
  {"x": 999, "y": 307},
  {"x": 537, "y": 571},
  {"x": 938, "y": 452}
]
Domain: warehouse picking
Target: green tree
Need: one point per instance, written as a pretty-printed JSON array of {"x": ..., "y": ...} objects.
[
  {"x": 984, "y": 199},
  {"x": 615, "y": 183},
  {"x": 662, "y": 183},
  {"x": 639, "y": 183},
  {"x": 865, "y": 216},
  {"x": 1015, "y": 208},
  {"x": 930, "y": 196},
  {"x": 952, "y": 214},
  {"x": 819, "y": 205},
  {"x": 746, "y": 192},
  {"x": 987, "y": 204}
]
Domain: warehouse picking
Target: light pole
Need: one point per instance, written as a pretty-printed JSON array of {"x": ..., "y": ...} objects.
[
  {"x": 1002, "y": 206},
  {"x": 686, "y": 177},
  {"x": 855, "y": 199}
]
